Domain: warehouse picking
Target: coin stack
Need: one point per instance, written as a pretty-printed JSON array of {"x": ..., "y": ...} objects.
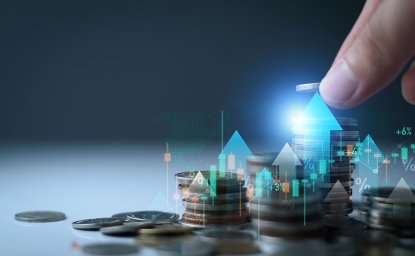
[
  {"x": 388, "y": 209},
  {"x": 276, "y": 213},
  {"x": 336, "y": 186},
  {"x": 213, "y": 199}
]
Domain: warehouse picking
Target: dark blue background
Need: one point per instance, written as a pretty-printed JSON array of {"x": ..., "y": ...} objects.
[{"x": 104, "y": 70}]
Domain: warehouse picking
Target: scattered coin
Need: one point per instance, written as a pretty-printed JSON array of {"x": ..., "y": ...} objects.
[
  {"x": 96, "y": 224},
  {"x": 125, "y": 215},
  {"x": 109, "y": 249},
  {"x": 157, "y": 217},
  {"x": 40, "y": 216}
]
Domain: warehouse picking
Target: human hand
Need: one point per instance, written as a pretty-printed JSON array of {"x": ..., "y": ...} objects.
[{"x": 378, "y": 47}]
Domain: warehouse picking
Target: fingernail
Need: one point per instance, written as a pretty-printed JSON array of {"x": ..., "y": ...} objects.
[{"x": 339, "y": 85}]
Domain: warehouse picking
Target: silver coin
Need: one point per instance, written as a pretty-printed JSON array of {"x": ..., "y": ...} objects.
[
  {"x": 309, "y": 87},
  {"x": 96, "y": 224},
  {"x": 40, "y": 216},
  {"x": 109, "y": 248},
  {"x": 192, "y": 247},
  {"x": 127, "y": 229},
  {"x": 157, "y": 217},
  {"x": 124, "y": 215}
]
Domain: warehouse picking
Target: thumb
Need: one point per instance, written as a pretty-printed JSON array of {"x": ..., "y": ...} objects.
[{"x": 379, "y": 52}]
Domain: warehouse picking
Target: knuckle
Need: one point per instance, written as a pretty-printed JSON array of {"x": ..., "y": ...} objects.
[{"x": 371, "y": 41}]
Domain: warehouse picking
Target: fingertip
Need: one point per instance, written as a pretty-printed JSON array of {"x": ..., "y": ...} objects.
[
  {"x": 339, "y": 86},
  {"x": 408, "y": 85}
]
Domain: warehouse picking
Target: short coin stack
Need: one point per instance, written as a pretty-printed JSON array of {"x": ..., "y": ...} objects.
[
  {"x": 278, "y": 213},
  {"x": 389, "y": 209},
  {"x": 213, "y": 199}
]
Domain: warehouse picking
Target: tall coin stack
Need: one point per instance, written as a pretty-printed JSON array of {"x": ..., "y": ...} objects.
[
  {"x": 213, "y": 199},
  {"x": 389, "y": 209},
  {"x": 336, "y": 185},
  {"x": 275, "y": 212}
]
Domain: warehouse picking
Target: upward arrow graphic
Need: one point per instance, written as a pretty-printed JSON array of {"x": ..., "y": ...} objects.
[
  {"x": 315, "y": 123},
  {"x": 287, "y": 161},
  {"x": 403, "y": 199}
]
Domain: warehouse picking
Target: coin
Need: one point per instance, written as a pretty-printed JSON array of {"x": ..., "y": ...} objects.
[
  {"x": 157, "y": 217},
  {"x": 110, "y": 248},
  {"x": 96, "y": 224},
  {"x": 40, "y": 216},
  {"x": 213, "y": 207},
  {"x": 124, "y": 215},
  {"x": 310, "y": 87},
  {"x": 127, "y": 229}
]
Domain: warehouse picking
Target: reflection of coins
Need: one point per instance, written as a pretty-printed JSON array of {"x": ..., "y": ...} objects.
[
  {"x": 110, "y": 248},
  {"x": 40, "y": 216},
  {"x": 192, "y": 247},
  {"x": 231, "y": 241},
  {"x": 154, "y": 241}
]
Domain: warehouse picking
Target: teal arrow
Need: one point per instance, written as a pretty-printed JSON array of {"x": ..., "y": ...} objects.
[{"x": 315, "y": 123}]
